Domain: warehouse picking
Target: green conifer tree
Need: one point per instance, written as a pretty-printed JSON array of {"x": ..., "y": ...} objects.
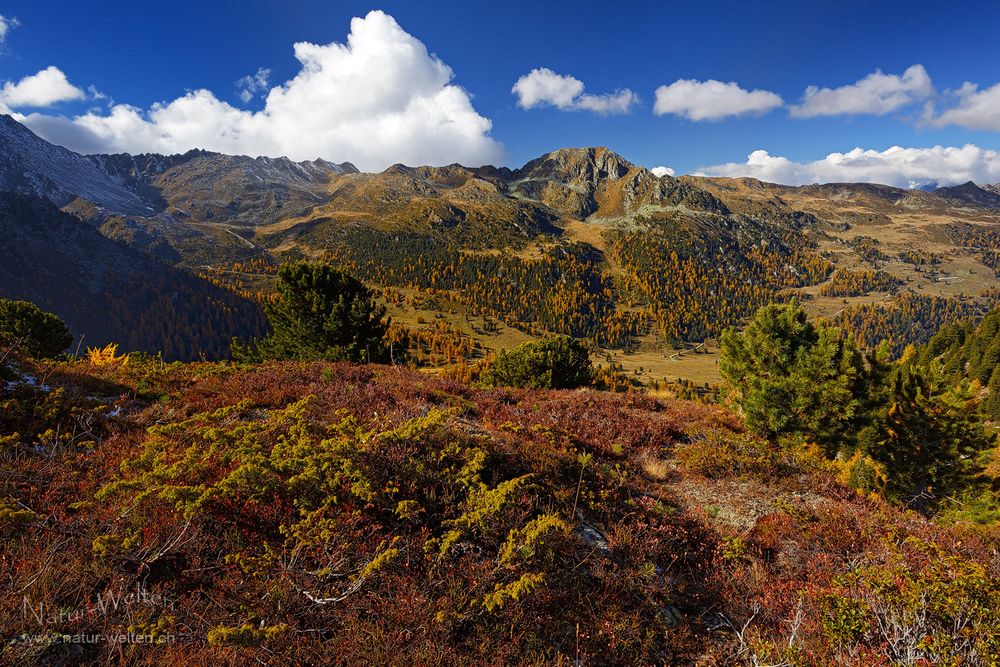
[
  {"x": 928, "y": 436},
  {"x": 321, "y": 313},
  {"x": 25, "y": 326},
  {"x": 790, "y": 376},
  {"x": 559, "y": 362}
]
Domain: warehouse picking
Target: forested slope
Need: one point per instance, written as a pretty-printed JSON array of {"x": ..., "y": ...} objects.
[{"x": 107, "y": 292}]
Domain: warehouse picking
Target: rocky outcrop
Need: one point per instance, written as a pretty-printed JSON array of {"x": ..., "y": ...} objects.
[{"x": 568, "y": 179}]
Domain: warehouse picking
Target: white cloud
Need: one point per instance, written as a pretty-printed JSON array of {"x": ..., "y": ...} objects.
[
  {"x": 6, "y": 25},
  {"x": 976, "y": 109},
  {"x": 379, "y": 98},
  {"x": 876, "y": 94},
  {"x": 543, "y": 87},
  {"x": 712, "y": 100},
  {"x": 618, "y": 102},
  {"x": 662, "y": 171},
  {"x": 43, "y": 89},
  {"x": 251, "y": 84},
  {"x": 897, "y": 166}
]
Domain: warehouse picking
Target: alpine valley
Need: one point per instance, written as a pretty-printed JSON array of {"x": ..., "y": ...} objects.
[{"x": 473, "y": 259}]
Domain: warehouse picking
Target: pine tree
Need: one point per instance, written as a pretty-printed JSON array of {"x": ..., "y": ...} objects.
[
  {"x": 321, "y": 313},
  {"x": 928, "y": 436},
  {"x": 25, "y": 326},
  {"x": 788, "y": 376},
  {"x": 559, "y": 362}
]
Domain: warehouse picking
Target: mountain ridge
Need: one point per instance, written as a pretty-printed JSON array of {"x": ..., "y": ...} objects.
[
  {"x": 31, "y": 165},
  {"x": 582, "y": 169},
  {"x": 168, "y": 205},
  {"x": 143, "y": 185},
  {"x": 579, "y": 240},
  {"x": 984, "y": 196}
]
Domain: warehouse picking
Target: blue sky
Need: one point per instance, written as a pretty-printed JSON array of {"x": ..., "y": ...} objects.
[{"x": 141, "y": 54}]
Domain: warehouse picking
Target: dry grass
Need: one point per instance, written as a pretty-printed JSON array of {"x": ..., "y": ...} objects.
[{"x": 654, "y": 467}]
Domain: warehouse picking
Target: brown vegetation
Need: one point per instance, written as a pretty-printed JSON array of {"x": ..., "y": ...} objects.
[{"x": 332, "y": 514}]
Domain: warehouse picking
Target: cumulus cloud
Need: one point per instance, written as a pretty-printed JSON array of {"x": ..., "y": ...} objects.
[
  {"x": 251, "y": 84},
  {"x": 6, "y": 25},
  {"x": 377, "y": 99},
  {"x": 662, "y": 171},
  {"x": 876, "y": 94},
  {"x": 975, "y": 109},
  {"x": 618, "y": 102},
  {"x": 43, "y": 89},
  {"x": 712, "y": 100},
  {"x": 897, "y": 166},
  {"x": 542, "y": 87}
]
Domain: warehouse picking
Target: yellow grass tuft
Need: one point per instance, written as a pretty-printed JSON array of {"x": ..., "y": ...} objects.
[{"x": 654, "y": 467}]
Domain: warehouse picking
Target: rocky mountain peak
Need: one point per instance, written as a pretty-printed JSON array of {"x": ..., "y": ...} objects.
[
  {"x": 581, "y": 182},
  {"x": 10, "y": 126},
  {"x": 582, "y": 166}
]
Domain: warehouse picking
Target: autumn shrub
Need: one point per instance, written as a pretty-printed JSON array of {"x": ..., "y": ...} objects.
[
  {"x": 14, "y": 515},
  {"x": 608, "y": 379},
  {"x": 918, "y": 604},
  {"x": 106, "y": 356},
  {"x": 318, "y": 513},
  {"x": 719, "y": 454},
  {"x": 48, "y": 421},
  {"x": 862, "y": 473},
  {"x": 363, "y": 510}
]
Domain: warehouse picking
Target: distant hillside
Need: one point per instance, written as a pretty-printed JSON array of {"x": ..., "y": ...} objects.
[
  {"x": 107, "y": 292},
  {"x": 204, "y": 186},
  {"x": 463, "y": 204},
  {"x": 487, "y": 207},
  {"x": 972, "y": 194}
]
